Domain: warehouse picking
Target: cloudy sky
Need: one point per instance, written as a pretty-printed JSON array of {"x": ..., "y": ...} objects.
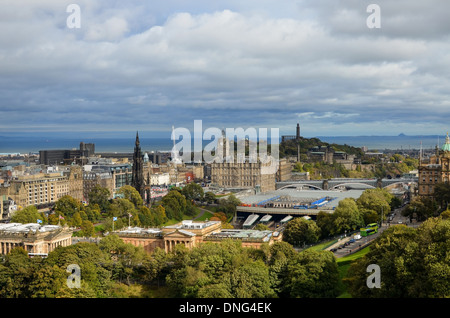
[{"x": 150, "y": 65}]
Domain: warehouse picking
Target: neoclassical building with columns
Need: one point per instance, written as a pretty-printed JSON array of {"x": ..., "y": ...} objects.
[
  {"x": 34, "y": 238},
  {"x": 192, "y": 234}
]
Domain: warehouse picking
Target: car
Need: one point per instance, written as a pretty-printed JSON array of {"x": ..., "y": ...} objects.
[
  {"x": 400, "y": 222},
  {"x": 352, "y": 241},
  {"x": 333, "y": 250}
]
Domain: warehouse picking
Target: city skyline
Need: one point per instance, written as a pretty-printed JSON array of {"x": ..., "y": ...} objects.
[{"x": 150, "y": 66}]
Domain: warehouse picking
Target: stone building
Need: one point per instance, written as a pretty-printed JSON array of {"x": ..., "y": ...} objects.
[
  {"x": 284, "y": 172},
  {"x": 74, "y": 176},
  {"x": 434, "y": 170},
  {"x": 192, "y": 234},
  {"x": 33, "y": 237},
  {"x": 189, "y": 233},
  {"x": 56, "y": 157},
  {"x": 37, "y": 189},
  {"x": 328, "y": 155},
  {"x": 94, "y": 178},
  {"x": 7, "y": 207},
  {"x": 121, "y": 174},
  {"x": 246, "y": 175}
]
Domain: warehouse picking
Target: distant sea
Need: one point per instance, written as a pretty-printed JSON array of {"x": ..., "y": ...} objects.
[
  {"x": 388, "y": 142},
  {"x": 27, "y": 144}
]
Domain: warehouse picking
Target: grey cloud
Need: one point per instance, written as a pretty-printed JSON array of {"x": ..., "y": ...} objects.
[{"x": 242, "y": 66}]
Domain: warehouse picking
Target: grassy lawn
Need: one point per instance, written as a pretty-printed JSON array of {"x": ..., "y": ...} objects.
[
  {"x": 351, "y": 257},
  {"x": 206, "y": 215},
  {"x": 175, "y": 221},
  {"x": 322, "y": 246},
  {"x": 343, "y": 266},
  {"x": 222, "y": 195},
  {"x": 99, "y": 228}
]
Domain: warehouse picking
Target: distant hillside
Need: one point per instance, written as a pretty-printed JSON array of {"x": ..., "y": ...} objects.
[{"x": 289, "y": 147}]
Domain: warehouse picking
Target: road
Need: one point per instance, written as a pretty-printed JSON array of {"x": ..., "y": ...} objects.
[{"x": 396, "y": 219}]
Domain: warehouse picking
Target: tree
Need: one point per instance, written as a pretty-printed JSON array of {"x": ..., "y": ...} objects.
[
  {"x": 446, "y": 214},
  {"x": 93, "y": 262},
  {"x": 219, "y": 216},
  {"x": 193, "y": 191},
  {"x": 48, "y": 282},
  {"x": 126, "y": 260},
  {"x": 300, "y": 231},
  {"x": 370, "y": 216},
  {"x": 174, "y": 204},
  {"x": 67, "y": 206},
  {"x": 76, "y": 220},
  {"x": 378, "y": 200},
  {"x": 16, "y": 274},
  {"x": 30, "y": 214},
  {"x": 131, "y": 194},
  {"x": 100, "y": 196},
  {"x": 191, "y": 209},
  {"x": 250, "y": 280},
  {"x": 347, "y": 216},
  {"x": 312, "y": 274},
  {"x": 422, "y": 208},
  {"x": 325, "y": 221},
  {"x": 159, "y": 214},
  {"x": 209, "y": 197},
  {"x": 228, "y": 205},
  {"x": 121, "y": 208},
  {"x": 55, "y": 219},
  {"x": 441, "y": 193},
  {"x": 88, "y": 228},
  {"x": 413, "y": 262},
  {"x": 145, "y": 217},
  {"x": 395, "y": 203},
  {"x": 225, "y": 269},
  {"x": 219, "y": 290},
  {"x": 231, "y": 199},
  {"x": 93, "y": 212}
]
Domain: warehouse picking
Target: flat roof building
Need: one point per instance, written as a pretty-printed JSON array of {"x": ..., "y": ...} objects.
[
  {"x": 192, "y": 234},
  {"x": 33, "y": 237}
]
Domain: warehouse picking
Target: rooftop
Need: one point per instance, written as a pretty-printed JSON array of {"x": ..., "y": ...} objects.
[
  {"x": 241, "y": 234},
  {"x": 304, "y": 195},
  {"x": 192, "y": 225},
  {"x": 28, "y": 227},
  {"x": 446, "y": 146},
  {"x": 139, "y": 230}
]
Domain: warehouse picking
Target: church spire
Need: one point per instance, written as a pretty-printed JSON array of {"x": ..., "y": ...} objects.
[
  {"x": 138, "y": 143},
  {"x": 138, "y": 168}
]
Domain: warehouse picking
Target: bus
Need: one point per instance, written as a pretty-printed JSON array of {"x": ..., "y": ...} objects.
[{"x": 370, "y": 229}]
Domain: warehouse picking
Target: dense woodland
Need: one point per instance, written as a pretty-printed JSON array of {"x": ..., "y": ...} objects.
[{"x": 413, "y": 262}]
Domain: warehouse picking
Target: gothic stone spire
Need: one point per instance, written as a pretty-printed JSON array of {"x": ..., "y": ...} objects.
[{"x": 138, "y": 167}]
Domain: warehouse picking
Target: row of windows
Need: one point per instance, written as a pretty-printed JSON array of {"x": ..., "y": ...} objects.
[
  {"x": 431, "y": 179},
  {"x": 241, "y": 178},
  {"x": 244, "y": 184}
]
